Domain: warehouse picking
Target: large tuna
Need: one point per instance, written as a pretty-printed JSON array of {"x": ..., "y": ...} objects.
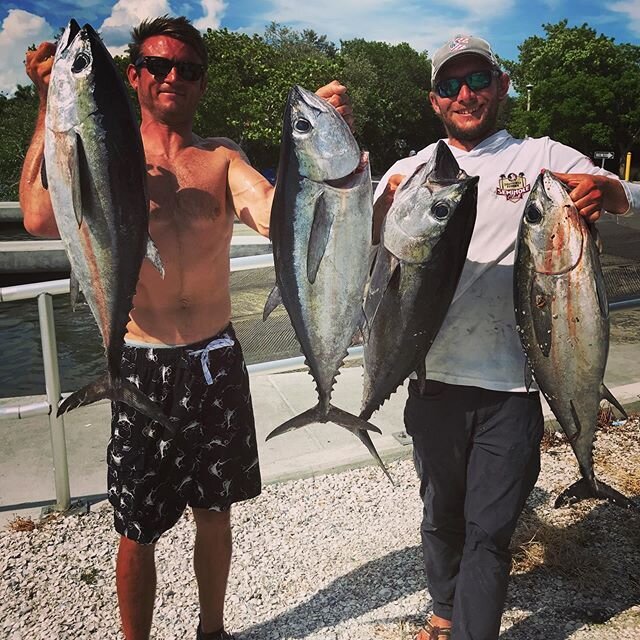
[
  {"x": 562, "y": 318},
  {"x": 321, "y": 232},
  {"x": 423, "y": 248},
  {"x": 96, "y": 176}
]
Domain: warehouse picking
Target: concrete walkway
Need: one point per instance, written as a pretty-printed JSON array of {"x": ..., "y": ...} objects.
[{"x": 26, "y": 468}]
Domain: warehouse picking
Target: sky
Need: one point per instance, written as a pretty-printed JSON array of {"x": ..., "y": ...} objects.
[{"x": 424, "y": 24}]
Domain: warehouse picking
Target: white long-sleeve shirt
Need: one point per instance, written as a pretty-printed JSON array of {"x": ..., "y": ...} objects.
[{"x": 478, "y": 344}]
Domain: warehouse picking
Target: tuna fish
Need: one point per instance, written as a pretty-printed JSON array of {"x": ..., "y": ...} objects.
[
  {"x": 562, "y": 317},
  {"x": 321, "y": 233},
  {"x": 96, "y": 177},
  {"x": 423, "y": 248}
]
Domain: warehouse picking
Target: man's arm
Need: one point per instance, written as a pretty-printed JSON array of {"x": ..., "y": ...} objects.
[{"x": 34, "y": 198}]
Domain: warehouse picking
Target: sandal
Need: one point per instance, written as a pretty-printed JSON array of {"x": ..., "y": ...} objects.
[{"x": 431, "y": 632}]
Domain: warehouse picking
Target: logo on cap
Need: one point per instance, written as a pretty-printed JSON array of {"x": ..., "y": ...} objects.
[{"x": 459, "y": 43}]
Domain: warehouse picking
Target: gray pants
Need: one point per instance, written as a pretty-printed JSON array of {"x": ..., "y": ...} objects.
[{"x": 477, "y": 454}]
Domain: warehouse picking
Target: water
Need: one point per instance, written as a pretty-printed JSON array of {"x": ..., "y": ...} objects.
[{"x": 80, "y": 351}]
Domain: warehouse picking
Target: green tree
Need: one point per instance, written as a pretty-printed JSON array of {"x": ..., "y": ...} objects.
[
  {"x": 18, "y": 115},
  {"x": 586, "y": 89},
  {"x": 389, "y": 86}
]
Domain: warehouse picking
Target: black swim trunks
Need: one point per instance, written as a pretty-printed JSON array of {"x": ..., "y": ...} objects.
[{"x": 210, "y": 463}]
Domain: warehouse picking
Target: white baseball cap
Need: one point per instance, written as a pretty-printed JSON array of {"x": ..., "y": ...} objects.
[{"x": 458, "y": 45}]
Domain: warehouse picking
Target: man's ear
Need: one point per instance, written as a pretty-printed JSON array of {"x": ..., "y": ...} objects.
[
  {"x": 503, "y": 85},
  {"x": 433, "y": 99},
  {"x": 133, "y": 76}
]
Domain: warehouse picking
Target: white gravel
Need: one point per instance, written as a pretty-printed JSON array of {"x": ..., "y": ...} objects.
[{"x": 333, "y": 558}]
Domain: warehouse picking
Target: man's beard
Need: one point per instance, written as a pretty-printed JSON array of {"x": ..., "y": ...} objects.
[{"x": 483, "y": 129}]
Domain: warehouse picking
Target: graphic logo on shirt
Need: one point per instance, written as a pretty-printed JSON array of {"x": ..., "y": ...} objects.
[{"x": 513, "y": 186}]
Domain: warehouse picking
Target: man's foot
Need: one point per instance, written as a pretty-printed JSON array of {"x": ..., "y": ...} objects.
[
  {"x": 220, "y": 634},
  {"x": 435, "y": 628}
]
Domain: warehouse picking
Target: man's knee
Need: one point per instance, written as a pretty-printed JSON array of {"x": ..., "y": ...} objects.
[{"x": 212, "y": 520}]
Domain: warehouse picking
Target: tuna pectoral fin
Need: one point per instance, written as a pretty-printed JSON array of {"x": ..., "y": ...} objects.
[
  {"x": 120, "y": 390},
  {"x": 582, "y": 490},
  {"x": 386, "y": 267},
  {"x": 153, "y": 256},
  {"x": 356, "y": 425},
  {"x": 609, "y": 397},
  {"x": 319, "y": 237},
  {"x": 74, "y": 291}
]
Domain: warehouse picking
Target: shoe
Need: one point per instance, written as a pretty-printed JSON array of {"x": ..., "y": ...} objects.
[{"x": 431, "y": 632}]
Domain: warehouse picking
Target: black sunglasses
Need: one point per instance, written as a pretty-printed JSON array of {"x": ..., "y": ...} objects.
[
  {"x": 161, "y": 67},
  {"x": 450, "y": 87}
]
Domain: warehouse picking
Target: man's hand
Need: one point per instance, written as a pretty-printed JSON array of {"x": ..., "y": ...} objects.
[
  {"x": 38, "y": 65},
  {"x": 594, "y": 193},
  {"x": 336, "y": 94},
  {"x": 383, "y": 204}
]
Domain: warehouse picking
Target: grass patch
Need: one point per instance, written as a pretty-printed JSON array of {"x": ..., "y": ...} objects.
[
  {"x": 20, "y": 524},
  {"x": 561, "y": 550}
]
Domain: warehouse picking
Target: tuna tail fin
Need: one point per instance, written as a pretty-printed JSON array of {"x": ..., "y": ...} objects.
[
  {"x": 356, "y": 425},
  {"x": 583, "y": 489},
  {"x": 609, "y": 397},
  {"x": 119, "y": 390}
]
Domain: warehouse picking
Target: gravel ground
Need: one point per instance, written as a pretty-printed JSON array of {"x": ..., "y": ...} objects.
[{"x": 338, "y": 557}]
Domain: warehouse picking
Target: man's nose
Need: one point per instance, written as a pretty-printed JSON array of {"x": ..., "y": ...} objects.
[{"x": 465, "y": 93}]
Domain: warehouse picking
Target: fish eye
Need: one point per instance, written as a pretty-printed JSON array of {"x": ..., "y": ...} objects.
[
  {"x": 82, "y": 61},
  {"x": 301, "y": 125},
  {"x": 440, "y": 210},
  {"x": 533, "y": 214}
]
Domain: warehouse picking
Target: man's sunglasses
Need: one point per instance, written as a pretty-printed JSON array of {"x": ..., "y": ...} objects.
[
  {"x": 450, "y": 87},
  {"x": 161, "y": 67}
]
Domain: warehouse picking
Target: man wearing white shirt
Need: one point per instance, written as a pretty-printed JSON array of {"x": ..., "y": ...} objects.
[{"x": 476, "y": 429}]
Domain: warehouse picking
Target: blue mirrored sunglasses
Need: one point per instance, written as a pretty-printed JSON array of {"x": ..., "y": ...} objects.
[
  {"x": 161, "y": 67},
  {"x": 450, "y": 87}
]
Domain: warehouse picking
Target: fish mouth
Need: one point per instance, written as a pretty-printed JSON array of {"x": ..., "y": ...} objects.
[{"x": 72, "y": 30}]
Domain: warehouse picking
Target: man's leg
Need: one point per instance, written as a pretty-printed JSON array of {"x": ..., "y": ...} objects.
[
  {"x": 438, "y": 424},
  {"x": 136, "y": 586},
  {"x": 504, "y": 463},
  {"x": 212, "y": 561}
]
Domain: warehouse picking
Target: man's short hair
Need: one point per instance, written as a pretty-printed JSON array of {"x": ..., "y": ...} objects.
[{"x": 179, "y": 28}]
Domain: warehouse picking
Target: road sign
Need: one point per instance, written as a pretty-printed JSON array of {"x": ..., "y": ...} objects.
[{"x": 603, "y": 155}]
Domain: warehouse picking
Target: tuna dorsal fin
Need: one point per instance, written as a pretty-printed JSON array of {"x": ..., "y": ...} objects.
[
  {"x": 609, "y": 397},
  {"x": 43, "y": 174},
  {"x": 319, "y": 237},
  {"x": 153, "y": 255},
  {"x": 272, "y": 302},
  {"x": 383, "y": 272},
  {"x": 446, "y": 167}
]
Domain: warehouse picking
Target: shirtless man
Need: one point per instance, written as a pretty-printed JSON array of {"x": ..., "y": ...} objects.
[{"x": 180, "y": 348}]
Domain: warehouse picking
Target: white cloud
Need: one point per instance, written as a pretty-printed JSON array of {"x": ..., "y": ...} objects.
[
  {"x": 213, "y": 12},
  {"x": 422, "y": 26},
  {"x": 19, "y": 30},
  {"x": 631, "y": 9},
  {"x": 126, "y": 14}
]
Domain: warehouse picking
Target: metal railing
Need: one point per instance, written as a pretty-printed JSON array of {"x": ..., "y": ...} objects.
[{"x": 44, "y": 292}]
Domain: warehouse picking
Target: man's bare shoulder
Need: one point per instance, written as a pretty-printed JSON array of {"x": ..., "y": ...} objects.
[{"x": 221, "y": 145}]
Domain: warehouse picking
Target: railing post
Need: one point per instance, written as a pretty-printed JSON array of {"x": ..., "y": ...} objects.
[{"x": 52, "y": 383}]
